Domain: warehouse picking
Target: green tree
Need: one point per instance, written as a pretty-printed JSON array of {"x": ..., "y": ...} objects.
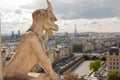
[
  {"x": 113, "y": 76},
  {"x": 106, "y": 54},
  {"x": 95, "y": 65},
  {"x": 77, "y": 47}
]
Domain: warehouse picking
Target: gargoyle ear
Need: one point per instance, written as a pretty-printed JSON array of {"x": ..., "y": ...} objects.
[
  {"x": 43, "y": 14},
  {"x": 49, "y": 5}
]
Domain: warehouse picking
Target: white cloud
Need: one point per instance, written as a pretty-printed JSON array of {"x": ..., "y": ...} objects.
[
  {"x": 88, "y": 15},
  {"x": 94, "y": 25},
  {"x": 67, "y": 1},
  {"x": 16, "y": 21}
]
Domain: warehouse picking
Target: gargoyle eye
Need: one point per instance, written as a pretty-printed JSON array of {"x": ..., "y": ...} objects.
[{"x": 53, "y": 19}]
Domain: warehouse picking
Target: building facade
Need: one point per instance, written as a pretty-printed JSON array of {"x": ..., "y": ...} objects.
[{"x": 113, "y": 60}]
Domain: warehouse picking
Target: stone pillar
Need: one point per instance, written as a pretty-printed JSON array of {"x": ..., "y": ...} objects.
[{"x": 1, "y": 76}]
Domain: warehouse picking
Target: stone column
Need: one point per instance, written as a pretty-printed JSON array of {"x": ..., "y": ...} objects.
[{"x": 1, "y": 75}]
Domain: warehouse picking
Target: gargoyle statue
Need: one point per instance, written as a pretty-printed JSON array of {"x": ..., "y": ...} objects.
[{"x": 31, "y": 48}]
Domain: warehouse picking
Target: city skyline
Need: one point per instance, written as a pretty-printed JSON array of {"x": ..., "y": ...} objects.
[{"x": 89, "y": 16}]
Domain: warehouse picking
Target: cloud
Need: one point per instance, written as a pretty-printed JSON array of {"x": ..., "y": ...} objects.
[
  {"x": 18, "y": 11},
  {"x": 73, "y": 9},
  {"x": 19, "y": 19},
  {"x": 94, "y": 22},
  {"x": 92, "y": 25},
  {"x": 2, "y": 14},
  {"x": 66, "y": 1},
  {"x": 37, "y": 4},
  {"x": 88, "y": 9},
  {"x": 89, "y": 15}
]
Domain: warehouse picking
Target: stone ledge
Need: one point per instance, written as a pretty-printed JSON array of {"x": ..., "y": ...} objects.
[{"x": 38, "y": 76}]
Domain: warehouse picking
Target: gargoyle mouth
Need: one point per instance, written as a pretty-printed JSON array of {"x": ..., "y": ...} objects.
[{"x": 55, "y": 28}]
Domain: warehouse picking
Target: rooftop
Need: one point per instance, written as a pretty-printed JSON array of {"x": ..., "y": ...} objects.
[{"x": 114, "y": 50}]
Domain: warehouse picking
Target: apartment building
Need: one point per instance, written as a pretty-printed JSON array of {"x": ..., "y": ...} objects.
[{"x": 113, "y": 60}]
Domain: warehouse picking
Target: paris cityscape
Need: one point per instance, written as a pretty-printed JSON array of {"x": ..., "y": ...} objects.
[
  {"x": 65, "y": 57},
  {"x": 86, "y": 46}
]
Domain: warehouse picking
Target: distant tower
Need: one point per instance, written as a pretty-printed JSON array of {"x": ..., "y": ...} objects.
[
  {"x": 75, "y": 29},
  {"x": 18, "y": 32},
  {"x": 12, "y": 33},
  {"x": 75, "y": 35}
]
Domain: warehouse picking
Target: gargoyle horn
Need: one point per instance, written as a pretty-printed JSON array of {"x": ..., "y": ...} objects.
[{"x": 49, "y": 5}]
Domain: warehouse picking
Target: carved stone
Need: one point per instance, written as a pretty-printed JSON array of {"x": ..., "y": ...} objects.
[{"x": 31, "y": 49}]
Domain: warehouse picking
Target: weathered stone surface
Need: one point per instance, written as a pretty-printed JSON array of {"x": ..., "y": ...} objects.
[
  {"x": 39, "y": 76},
  {"x": 31, "y": 49}
]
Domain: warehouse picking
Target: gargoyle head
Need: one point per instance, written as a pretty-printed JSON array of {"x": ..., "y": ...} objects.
[
  {"x": 44, "y": 19},
  {"x": 50, "y": 25}
]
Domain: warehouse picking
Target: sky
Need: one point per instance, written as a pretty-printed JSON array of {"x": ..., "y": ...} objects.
[{"x": 88, "y": 15}]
